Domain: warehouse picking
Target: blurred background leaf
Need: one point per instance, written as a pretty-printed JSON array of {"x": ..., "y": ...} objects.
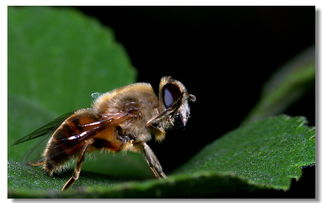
[
  {"x": 58, "y": 57},
  {"x": 285, "y": 86}
]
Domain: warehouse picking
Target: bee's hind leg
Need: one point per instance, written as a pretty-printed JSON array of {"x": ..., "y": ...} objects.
[
  {"x": 38, "y": 163},
  {"x": 77, "y": 170}
]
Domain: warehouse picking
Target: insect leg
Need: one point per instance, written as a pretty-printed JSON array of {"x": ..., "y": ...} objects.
[
  {"x": 153, "y": 162},
  {"x": 77, "y": 169},
  {"x": 39, "y": 163}
]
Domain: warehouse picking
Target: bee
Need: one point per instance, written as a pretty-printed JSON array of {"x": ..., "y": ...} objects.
[{"x": 123, "y": 119}]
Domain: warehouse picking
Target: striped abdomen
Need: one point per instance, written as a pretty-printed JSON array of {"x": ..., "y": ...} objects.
[{"x": 77, "y": 130}]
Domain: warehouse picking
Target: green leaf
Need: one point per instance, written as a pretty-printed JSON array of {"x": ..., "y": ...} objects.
[
  {"x": 266, "y": 153},
  {"x": 263, "y": 155},
  {"x": 285, "y": 86},
  {"x": 58, "y": 57}
]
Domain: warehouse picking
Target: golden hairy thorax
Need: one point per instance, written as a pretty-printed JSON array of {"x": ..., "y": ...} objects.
[
  {"x": 138, "y": 96},
  {"x": 140, "y": 93}
]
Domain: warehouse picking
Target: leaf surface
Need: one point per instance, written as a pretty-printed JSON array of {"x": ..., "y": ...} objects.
[
  {"x": 263, "y": 155},
  {"x": 266, "y": 153}
]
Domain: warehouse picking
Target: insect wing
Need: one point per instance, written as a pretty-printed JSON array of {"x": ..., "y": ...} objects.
[
  {"x": 33, "y": 154},
  {"x": 71, "y": 136},
  {"x": 86, "y": 127},
  {"x": 46, "y": 129}
]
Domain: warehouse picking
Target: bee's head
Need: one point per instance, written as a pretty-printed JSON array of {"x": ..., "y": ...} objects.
[{"x": 173, "y": 100}]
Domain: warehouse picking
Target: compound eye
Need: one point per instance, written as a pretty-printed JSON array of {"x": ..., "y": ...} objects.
[{"x": 170, "y": 94}]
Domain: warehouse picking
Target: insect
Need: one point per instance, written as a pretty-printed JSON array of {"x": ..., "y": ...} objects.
[{"x": 123, "y": 119}]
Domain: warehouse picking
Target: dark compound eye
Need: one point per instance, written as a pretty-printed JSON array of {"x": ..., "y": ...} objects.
[{"x": 170, "y": 94}]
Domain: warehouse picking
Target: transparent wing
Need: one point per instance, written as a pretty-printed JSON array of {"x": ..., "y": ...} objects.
[
  {"x": 46, "y": 129},
  {"x": 34, "y": 154},
  {"x": 80, "y": 127}
]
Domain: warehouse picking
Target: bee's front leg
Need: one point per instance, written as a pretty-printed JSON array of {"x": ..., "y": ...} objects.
[{"x": 153, "y": 162}]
